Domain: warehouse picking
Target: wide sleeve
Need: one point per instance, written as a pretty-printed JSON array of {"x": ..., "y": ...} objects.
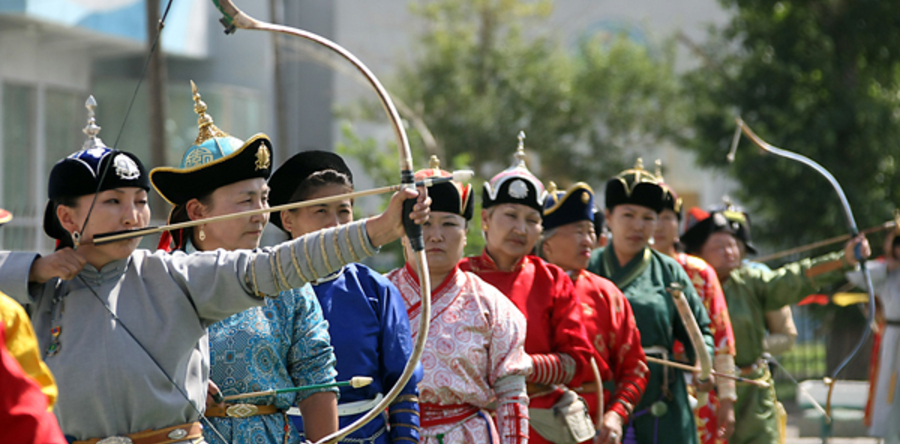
[
  {"x": 508, "y": 330},
  {"x": 221, "y": 283},
  {"x": 15, "y": 267},
  {"x": 630, "y": 368},
  {"x": 396, "y": 348},
  {"x": 793, "y": 282},
  {"x": 877, "y": 270},
  {"x": 720, "y": 321},
  {"x": 569, "y": 334},
  {"x": 310, "y": 359},
  {"x": 23, "y": 345}
]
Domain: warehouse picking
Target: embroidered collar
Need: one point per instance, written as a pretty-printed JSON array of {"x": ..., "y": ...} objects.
[{"x": 621, "y": 275}]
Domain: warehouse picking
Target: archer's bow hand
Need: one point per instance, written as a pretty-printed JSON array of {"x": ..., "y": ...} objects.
[
  {"x": 388, "y": 226},
  {"x": 857, "y": 249}
]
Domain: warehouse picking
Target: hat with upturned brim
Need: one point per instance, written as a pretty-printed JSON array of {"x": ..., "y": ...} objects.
[
  {"x": 449, "y": 197},
  {"x": 575, "y": 204},
  {"x": 515, "y": 185},
  {"x": 214, "y": 160},
  {"x": 635, "y": 186},
  {"x": 286, "y": 180},
  {"x": 93, "y": 169},
  {"x": 702, "y": 225}
]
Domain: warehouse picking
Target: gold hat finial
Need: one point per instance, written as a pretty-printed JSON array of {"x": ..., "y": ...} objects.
[
  {"x": 729, "y": 205},
  {"x": 434, "y": 163},
  {"x": 208, "y": 129},
  {"x": 659, "y": 175},
  {"x": 91, "y": 129},
  {"x": 552, "y": 188},
  {"x": 520, "y": 150}
]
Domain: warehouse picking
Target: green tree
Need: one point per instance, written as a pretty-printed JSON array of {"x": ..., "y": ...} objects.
[
  {"x": 820, "y": 78},
  {"x": 480, "y": 74}
]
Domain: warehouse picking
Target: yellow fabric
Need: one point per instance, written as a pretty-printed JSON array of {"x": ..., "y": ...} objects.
[{"x": 23, "y": 345}]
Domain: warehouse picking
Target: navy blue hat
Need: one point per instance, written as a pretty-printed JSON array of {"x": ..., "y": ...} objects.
[
  {"x": 564, "y": 207},
  {"x": 82, "y": 173},
  {"x": 288, "y": 177},
  {"x": 515, "y": 184},
  {"x": 214, "y": 160},
  {"x": 450, "y": 197},
  {"x": 635, "y": 186}
]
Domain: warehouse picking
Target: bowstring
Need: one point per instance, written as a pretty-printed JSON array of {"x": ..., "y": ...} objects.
[
  {"x": 103, "y": 173},
  {"x": 137, "y": 88}
]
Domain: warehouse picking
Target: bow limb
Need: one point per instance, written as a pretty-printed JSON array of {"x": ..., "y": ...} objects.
[
  {"x": 696, "y": 336},
  {"x": 235, "y": 18},
  {"x": 851, "y": 224}
]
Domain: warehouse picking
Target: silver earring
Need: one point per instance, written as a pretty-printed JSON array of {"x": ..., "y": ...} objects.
[{"x": 202, "y": 235}]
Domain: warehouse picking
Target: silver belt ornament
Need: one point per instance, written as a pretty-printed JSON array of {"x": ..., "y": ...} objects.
[{"x": 174, "y": 434}]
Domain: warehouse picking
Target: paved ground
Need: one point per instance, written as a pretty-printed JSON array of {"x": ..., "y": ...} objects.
[{"x": 793, "y": 434}]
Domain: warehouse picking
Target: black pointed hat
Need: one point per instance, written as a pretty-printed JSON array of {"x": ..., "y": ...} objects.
[
  {"x": 451, "y": 197},
  {"x": 635, "y": 186},
  {"x": 515, "y": 184},
  {"x": 564, "y": 207}
]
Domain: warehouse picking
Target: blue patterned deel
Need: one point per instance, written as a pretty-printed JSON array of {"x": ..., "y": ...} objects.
[{"x": 282, "y": 344}]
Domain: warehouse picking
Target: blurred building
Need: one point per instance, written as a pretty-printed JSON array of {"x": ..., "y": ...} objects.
[{"x": 54, "y": 53}]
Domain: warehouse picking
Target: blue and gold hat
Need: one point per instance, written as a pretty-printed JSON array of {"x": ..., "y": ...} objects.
[
  {"x": 450, "y": 197},
  {"x": 287, "y": 178},
  {"x": 635, "y": 186},
  {"x": 515, "y": 184},
  {"x": 214, "y": 160},
  {"x": 564, "y": 207},
  {"x": 92, "y": 169}
]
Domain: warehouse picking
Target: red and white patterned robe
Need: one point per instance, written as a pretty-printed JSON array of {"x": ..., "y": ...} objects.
[
  {"x": 476, "y": 337},
  {"x": 544, "y": 293},
  {"x": 705, "y": 281}
]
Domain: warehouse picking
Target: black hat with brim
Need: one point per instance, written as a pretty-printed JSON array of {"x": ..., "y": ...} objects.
[
  {"x": 287, "y": 178},
  {"x": 449, "y": 197},
  {"x": 204, "y": 168},
  {"x": 573, "y": 205},
  {"x": 697, "y": 235},
  {"x": 80, "y": 174},
  {"x": 620, "y": 191}
]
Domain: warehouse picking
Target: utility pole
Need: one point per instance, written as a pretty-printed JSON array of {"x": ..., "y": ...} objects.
[
  {"x": 283, "y": 141},
  {"x": 156, "y": 97}
]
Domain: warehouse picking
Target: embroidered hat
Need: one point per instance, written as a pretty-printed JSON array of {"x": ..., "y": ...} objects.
[
  {"x": 214, "y": 160},
  {"x": 289, "y": 176},
  {"x": 635, "y": 186},
  {"x": 515, "y": 184},
  {"x": 82, "y": 173},
  {"x": 450, "y": 197},
  {"x": 564, "y": 207}
]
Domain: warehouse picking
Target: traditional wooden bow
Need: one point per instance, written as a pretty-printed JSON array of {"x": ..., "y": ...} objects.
[
  {"x": 851, "y": 224},
  {"x": 233, "y": 19}
]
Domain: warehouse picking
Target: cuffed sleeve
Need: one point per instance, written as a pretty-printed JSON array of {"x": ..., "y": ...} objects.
[{"x": 512, "y": 409}]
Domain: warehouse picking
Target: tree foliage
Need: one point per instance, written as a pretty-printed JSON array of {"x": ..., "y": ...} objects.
[
  {"x": 481, "y": 73},
  {"x": 821, "y": 78}
]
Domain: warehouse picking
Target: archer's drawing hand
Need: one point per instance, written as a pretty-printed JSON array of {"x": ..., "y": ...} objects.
[{"x": 64, "y": 264}]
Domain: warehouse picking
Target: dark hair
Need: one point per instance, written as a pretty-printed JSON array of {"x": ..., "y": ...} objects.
[
  {"x": 52, "y": 224},
  {"x": 317, "y": 180},
  {"x": 179, "y": 214}
]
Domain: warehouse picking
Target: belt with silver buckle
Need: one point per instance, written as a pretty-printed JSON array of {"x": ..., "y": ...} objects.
[{"x": 240, "y": 410}]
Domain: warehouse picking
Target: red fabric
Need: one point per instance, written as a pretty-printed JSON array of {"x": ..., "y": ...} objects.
[
  {"x": 873, "y": 371},
  {"x": 511, "y": 418},
  {"x": 819, "y": 299},
  {"x": 545, "y": 295},
  {"x": 23, "y": 407},
  {"x": 433, "y": 415},
  {"x": 705, "y": 281},
  {"x": 613, "y": 333}
]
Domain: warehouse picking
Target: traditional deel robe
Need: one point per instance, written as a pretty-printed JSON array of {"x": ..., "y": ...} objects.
[
  {"x": 545, "y": 295},
  {"x": 885, "y": 410},
  {"x": 108, "y": 385},
  {"x": 283, "y": 344},
  {"x": 614, "y": 334},
  {"x": 371, "y": 337},
  {"x": 23, "y": 406},
  {"x": 750, "y": 292},
  {"x": 23, "y": 346},
  {"x": 706, "y": 283},
  {"x": 474, "y": 353},
  {"x": 644, "y": 281}
]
